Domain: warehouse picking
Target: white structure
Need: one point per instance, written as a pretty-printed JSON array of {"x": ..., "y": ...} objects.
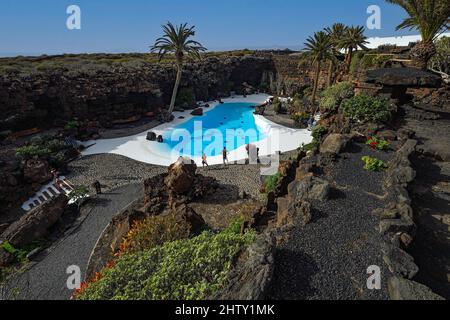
[
  {"x": 46, "y": 193},
  {"x": 399, "y": 41}
]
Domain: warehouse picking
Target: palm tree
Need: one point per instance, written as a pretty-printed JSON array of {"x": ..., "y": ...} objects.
[
  {"x": 431, "y": 18},
  {"x": 353, "y": 39},
  {"x": 176, "y": 41},
  {"x": 336, "y": 33},
  {"x": 318, "y": 47}
]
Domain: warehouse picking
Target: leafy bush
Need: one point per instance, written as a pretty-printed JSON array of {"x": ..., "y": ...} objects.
[
  {"x": 154, "y": 231},
  {"x": 79, "y": 194},
  {"x": 373, "y": 164},
  {"x": 332, "y": 97},
  {"x": 44, "y": 147},
  {"x": 367, "y": 108},
  {"x": 73, "y": 124},
  {"x": 32, "y": 150},
  {"x": 318, "y": 132},
  {"x": 441, "y": 60},
  {"x": 192, "y": 269},
  {"x": 299, "y": 117},
  {"x": 378, "y": 144},
  {"x": 271, "y": 182},
  {"x": 375, "y": 60},
  {"x": 307, "y": 147},
  {"x": 277, "y": 105}
]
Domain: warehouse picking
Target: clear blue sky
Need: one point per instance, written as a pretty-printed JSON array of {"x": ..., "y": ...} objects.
[{"x": 39, "y": 26}]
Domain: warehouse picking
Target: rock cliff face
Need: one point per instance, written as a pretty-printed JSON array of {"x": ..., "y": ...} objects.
[{"x": 114, "y": 92}]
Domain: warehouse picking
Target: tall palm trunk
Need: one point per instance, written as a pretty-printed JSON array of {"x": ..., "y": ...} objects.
[
  {"x": 316, "y": 83},
  {"x": 421, "y": 54},
  {"x": 349, "y": 60},
  {"x": 330, "y": 73},
  {"x": 175, "y": 88}
]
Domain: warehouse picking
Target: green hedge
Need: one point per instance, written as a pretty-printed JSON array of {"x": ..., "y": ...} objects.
[
  {"x": 190, "y": 269},
  {"x": 332, "y": 97},
  {"x": 366, "y": 108}
]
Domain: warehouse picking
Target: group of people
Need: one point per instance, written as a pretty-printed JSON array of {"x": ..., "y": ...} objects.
[{"x": 225, "y": 156}]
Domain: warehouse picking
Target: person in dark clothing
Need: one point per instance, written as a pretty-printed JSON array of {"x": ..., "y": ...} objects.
[
  {"x": 225, "y": 156},
  {"x": 98, "y": 187}
]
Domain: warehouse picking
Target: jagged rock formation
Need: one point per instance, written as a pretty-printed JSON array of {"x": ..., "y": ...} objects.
[
  {"x": 111, "y": 93},
  {"x": 36, "y": 223}
]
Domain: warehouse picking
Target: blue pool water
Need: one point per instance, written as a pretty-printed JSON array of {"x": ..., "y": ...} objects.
[{"x": 229, "y": 124}]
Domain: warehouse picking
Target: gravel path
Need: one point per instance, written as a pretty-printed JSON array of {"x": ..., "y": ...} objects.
[
  {"x": 328, "y": 258},
  {"x": 114, "y": 171},
  {"x": 47, "y": 278}
]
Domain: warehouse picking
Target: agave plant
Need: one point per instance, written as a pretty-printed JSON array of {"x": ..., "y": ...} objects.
[
  {"x": 177, "y": 41},
  {"x": 336, "y": 33},
  {"x": 431, "y": 18},
  {"x": 318, "y": 48},
  {"x": 353, "y": 39}
]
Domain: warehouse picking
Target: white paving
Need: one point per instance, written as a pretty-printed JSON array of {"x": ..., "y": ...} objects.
[{"x": 279, "y": 139}]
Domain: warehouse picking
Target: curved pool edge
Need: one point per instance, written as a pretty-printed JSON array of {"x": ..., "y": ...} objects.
[{"x": 136, "y": 147}]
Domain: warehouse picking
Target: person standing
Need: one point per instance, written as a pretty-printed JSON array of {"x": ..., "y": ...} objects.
[
  {"x": 97, "y": 186},
  {"x": 225, "y": 156},
  {"x": 204, "y": 162}
]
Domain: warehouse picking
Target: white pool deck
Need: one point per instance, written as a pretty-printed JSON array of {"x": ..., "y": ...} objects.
[{"x": 136, "y": 147}]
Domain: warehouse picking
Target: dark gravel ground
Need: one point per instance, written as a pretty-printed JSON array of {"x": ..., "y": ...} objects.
[{"x": 328, "y": 258}]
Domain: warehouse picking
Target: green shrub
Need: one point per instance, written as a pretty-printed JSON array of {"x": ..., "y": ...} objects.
[
  {"x": 192, "y": 269},
  {"x": 373, "y": 164},
  {"x": 44, "y": 147},
  {"x": 307, "y": 147},
  {"x": 441, "y": 60},
  {"x": 332, "y": 97},
  {"x": 378, "y": 144},
  {"x": 154, "y": 231},
  {"x": 375, "y": 60},
  {"x": 73, "y": 124},
  {"x": 271, "y": 182},
  {"x": 277, "y": 105},
  {"x": 32, "y": 150},
  {"x": 366, "y": 108},
  {"x": 318, "y": 132},
  {"x": 299, "y": 117},
  {"x": 356, "y": 61}
]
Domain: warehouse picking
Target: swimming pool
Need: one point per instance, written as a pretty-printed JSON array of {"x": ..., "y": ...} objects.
[
  {"x": 229, "y": 124},
  {"x": 235, "y": 114}
]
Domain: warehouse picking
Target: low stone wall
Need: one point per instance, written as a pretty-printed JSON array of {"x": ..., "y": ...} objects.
[{"x": 398, "y": 226}]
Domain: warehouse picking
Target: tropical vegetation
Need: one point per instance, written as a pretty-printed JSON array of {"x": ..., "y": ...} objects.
[
  {"x": 430, "y": 18},
  {"x": 336, "y": 33},
  {"x": 364, "y": 108},
  {"x": 318, "y": 48},
  {"x": 441, "y": 60},
  {"x": 189, "y": 269},
  {"x": 177, "y": 41},
  {"x": 332, "y": 97},
  {"x": 353, "y": 39}
]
